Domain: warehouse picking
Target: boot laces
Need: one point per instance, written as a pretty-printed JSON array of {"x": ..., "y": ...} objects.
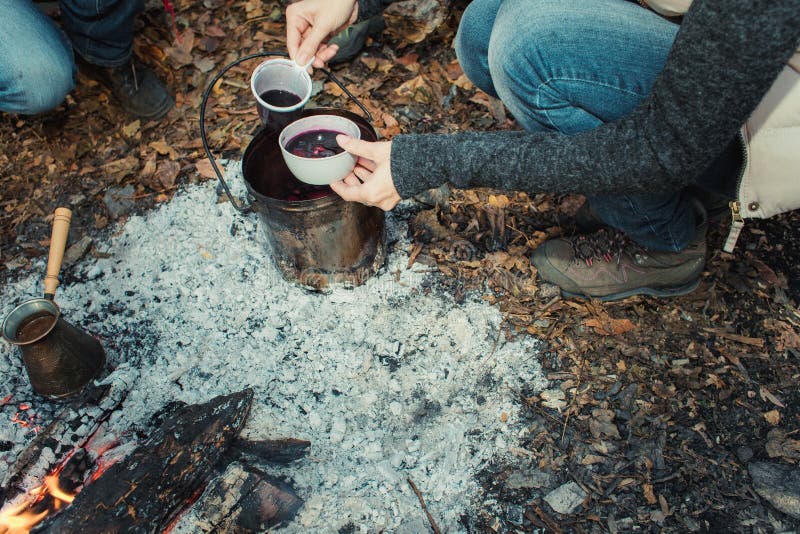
[{"x": 605, "y": 244}]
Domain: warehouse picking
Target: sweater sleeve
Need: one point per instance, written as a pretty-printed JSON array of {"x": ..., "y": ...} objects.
[
  {"x": 369, "y": 8},
  {"x": 725, "y": 57}
]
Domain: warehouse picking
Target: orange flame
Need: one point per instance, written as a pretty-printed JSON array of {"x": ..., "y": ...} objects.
[
  {"x": 17, "y": 521},
  {"x": 20, "y": 519},
  {"x": 51, "y": 483}
]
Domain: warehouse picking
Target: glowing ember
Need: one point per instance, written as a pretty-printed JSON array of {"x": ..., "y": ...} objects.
[
  {"x": 21, "y": 422},
  {"x": 27, "y": 418}
]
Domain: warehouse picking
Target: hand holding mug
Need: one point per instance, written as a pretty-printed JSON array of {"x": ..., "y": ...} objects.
[{"x": 371, "y": 181}]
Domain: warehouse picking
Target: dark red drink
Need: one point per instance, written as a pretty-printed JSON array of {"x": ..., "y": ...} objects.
[
  {"x": 315, "y": 144},
  {"x": 277, "y": 120},
  {"x": 299, "y": 191},
  {"x": 280, "y": 98}
]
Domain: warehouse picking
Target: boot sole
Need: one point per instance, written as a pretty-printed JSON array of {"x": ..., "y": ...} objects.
[{"x": 651, "y": 291}]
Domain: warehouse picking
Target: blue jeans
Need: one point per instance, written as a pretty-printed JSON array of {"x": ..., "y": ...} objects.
[
  {"x": 36, "y": 59},
  {"x": 572, "y": 65}
]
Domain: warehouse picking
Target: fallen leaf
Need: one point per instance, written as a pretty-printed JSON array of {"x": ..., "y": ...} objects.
[
  {"x": 662, "y": 501},
  {"x": 407, "y": 59},
  {"x": 464, "y": 83},
  {"x": 131, "y": 129},
  {"x": 454, "y": 70},
  {"x": 120, "y": 168},
  {"x": 553, "y": 398},
  {"x": 591, "y": 459},
  {"x": 167, "y": 172},
  {"x": 181, "y": 53},
  {"x": 499, "y": 201},
  {"x": 601, "y": 424},
  {"x": 785, "y": 336},
  {"x": 214, "y": 31},
  {"x": 205, "y": 169},
  {"x": 164, "y": 149},
  {"x": 773, "y": 417},
  {"x": 149, "y": 170},
  {"x": 767, "y": 395},
  {"x": 611, "y": 327},
  {"x": 780, "y": 446},
  {"x": 649, "y": 496},
  {"x": 204, "y": 64},
  {"x": 416, "y": 89}
]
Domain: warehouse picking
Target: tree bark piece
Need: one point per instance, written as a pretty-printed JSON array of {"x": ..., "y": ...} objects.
[
  {"x": 241, "y": 500},
  {"x": 146, "y": 490}
]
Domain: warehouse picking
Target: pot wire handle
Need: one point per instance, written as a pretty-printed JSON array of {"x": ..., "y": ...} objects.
[
  {"x": 239, "y": 207},
  {"x": 332, "y": 77}
]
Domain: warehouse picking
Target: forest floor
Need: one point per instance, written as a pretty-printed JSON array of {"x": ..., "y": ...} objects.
[{"x": 659, "y": 410}]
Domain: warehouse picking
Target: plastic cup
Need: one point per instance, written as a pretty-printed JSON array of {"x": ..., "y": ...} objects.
[{"x": 282, "y": 75}]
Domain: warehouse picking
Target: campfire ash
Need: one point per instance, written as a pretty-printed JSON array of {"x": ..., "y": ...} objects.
[{"x": 388, "y": 381}]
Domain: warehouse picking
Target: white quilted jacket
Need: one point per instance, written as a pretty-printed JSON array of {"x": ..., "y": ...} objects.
[{"x": 769, "y": 182}]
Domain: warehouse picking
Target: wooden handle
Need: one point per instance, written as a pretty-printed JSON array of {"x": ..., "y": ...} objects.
[{"x": 58, "y": 242}]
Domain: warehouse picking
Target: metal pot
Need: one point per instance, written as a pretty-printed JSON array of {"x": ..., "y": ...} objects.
[{"x": 315, "y": 243}]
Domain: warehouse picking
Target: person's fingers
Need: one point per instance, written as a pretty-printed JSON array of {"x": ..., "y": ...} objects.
[
  {"x": 367, "y": 164},
  {"x": 362, "y": 174},
  {"x": 296, "y": 25},
  {"x": 351, "y": 179},
  {"x": 311, "y": 42},
  {"x": 356, "y": 146},
  {"x": 351, "y": 193},
  {"x": 325, "y": 54}
]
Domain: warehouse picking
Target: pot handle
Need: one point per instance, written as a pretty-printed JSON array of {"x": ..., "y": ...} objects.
[
  {"x": 239, "y": 207},
  {"x": 242, "y": 208}
]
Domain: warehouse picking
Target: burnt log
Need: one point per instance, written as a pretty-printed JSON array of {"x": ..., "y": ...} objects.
[
  {"x": 277, "y": 451},
  {"x": 71, "y": 429},
  {"x": 242, "y": 500},
  {"x": 144, "y": 492}
]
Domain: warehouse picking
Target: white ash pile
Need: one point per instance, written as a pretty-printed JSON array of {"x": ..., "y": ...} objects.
[{"x": 386, "y": 381}]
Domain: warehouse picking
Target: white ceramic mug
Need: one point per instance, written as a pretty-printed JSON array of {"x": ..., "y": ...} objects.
[{"x": 319, "y": 171}]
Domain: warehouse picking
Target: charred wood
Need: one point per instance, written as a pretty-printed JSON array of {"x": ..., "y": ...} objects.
[
  {"x": 278, "y": 451},
  {"x": 241, "y": 500},
  {"x": 146, "y": 490}
]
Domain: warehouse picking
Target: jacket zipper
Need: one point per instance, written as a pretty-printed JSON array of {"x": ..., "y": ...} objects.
[{"x": 737, "y": 221}]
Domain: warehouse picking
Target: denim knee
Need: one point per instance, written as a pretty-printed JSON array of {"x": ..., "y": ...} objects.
[
  {"x": 472, "y": 42},
  {"x": 528, "y": 37},
  {"x": 37, "y": 82}
]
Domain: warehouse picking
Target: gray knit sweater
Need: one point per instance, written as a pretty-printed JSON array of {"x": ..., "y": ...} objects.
[{"x": 726, "y": 55}]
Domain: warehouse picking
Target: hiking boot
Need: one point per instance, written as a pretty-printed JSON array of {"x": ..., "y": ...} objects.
[
  {"x": 135, "y": 87},
  {"x": 352, "y": 39},
  {"x": 609, "y": 266}
]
